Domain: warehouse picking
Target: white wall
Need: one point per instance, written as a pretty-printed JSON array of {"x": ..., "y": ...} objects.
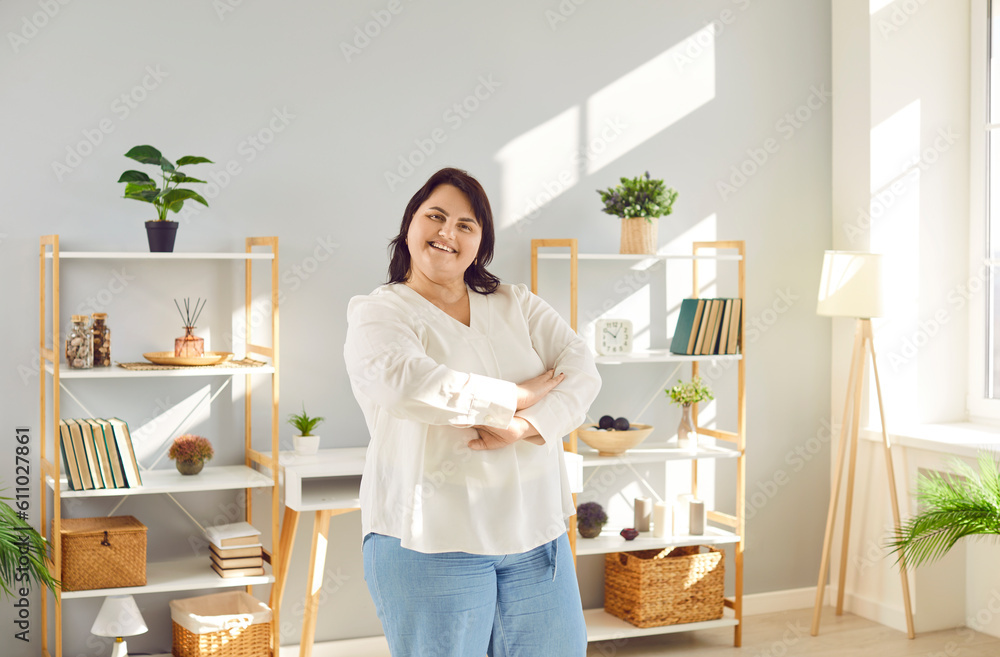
[{"x": 559, "y": 98}]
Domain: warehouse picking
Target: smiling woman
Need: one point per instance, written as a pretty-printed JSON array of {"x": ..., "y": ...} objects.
[{"x": 468, "y": 387}]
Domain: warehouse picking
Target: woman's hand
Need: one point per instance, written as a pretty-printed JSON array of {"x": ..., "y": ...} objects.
[
  {"x": 532, "y": 391},
  {"x": 493, "y": 438}
]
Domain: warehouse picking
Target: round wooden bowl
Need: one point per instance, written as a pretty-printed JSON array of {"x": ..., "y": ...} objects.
[{"x": 613, "y": 443}]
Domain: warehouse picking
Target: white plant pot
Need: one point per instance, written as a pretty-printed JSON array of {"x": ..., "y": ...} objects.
[{"x": 305, "y": 445}]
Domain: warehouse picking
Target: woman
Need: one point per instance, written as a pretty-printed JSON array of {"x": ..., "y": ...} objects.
[{"x": 468, "y": 387}]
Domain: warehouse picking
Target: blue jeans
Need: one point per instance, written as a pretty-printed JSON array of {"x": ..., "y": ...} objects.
[{"x": 456, "y": 604}]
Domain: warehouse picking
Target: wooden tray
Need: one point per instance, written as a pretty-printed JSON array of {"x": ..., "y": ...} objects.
[{"x": 168, "y": 358}]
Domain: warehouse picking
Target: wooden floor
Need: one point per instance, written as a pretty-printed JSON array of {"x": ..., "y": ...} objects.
[
  {"x": 782, "y": 634},
  {"x": 787, "y": 634}
]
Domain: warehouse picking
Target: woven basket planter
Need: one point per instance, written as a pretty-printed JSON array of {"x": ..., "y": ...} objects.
[
  {"x": 639, "y": 235},
  {"x": 230, "y": 624},
  {"x": 102, "y": 553},
  {"x": 650, "y": 588}
]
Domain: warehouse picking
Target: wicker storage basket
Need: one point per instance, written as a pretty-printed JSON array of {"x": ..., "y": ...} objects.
[
  {"x": 102, "y": 553},
  {"x": 649, "y": 588},
  {"x": 639, "y": 235},
  {"x": 230, "y": 624}
]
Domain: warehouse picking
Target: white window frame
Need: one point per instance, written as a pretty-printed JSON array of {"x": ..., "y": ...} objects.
[{"x": 979, "y": 406}]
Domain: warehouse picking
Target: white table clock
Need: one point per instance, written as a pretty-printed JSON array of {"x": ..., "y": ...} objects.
[{"x": 613, "y": 336}]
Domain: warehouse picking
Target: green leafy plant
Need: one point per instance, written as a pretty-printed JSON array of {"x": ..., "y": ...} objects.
[
  {"x": 303, "y": 422},
  {"x": 191, "y": 448},
  {"x": 692, "y": 392},
  {"x": 22, "y": 550},
  {"x": 639, "y": 197},
  {"x": 169, "y": 196},
  {"x": 958, "y": 504}
]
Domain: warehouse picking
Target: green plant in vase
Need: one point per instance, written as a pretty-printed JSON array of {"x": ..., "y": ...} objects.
[
  {"x": 305, "y": 442},
  {"x": 165, "y": 196},
  {"x": 686, "y": 395},
  {"x": 191, "y": 452},
  {"x": 637, "y": 202}
]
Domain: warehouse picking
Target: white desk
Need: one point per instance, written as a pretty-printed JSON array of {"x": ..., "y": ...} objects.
[{"x": 326, "y": 483}]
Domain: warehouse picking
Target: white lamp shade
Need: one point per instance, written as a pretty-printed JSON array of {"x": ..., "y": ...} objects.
[
  {"x": 851, "y": 284},
  {"x": 119, "y": 616}
]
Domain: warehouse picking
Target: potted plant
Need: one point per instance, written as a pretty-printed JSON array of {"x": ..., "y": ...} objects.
[
  {"x": 23, "y": 552},
  {"x": 305, "y": 442},
  {"x": 167, "y": 197},
  {"x": 686, "y": 395},
  {"x": 962, "y": 503},
  {"x": 191, "y": 452},
  {"x": 590, "y": 519},
  {"x": 638, "y": 201}
]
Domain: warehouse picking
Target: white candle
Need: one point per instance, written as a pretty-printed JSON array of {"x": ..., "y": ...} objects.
[
  {"x": 643, "y": 513},
  {"x": 697, "y": 518},
  {"x": 661, "y": 519}
]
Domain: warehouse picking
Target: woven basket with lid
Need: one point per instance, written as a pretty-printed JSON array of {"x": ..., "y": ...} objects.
[{"x": 102, "y": 553}]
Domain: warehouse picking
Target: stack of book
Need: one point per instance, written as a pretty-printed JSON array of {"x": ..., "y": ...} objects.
[
  {"x": 708, "y": 327},
  {"x": 98, "y": 454},
  {"x": 236, "y": 550}
]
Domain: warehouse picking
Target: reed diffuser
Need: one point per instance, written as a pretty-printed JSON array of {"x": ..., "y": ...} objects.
[{"x": 190, "y": 346}]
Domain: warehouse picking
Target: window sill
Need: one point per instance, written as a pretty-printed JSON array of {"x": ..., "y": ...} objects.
[{"x": 964, "y": 439}]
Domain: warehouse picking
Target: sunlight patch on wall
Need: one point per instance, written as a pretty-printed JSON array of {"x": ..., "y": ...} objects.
[
  {"x": 152, "y": 437},
  {"x": 650, "y": 98}
]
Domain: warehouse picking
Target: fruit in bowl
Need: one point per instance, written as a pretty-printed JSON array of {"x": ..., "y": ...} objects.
[{"x": 611, "y": 436}]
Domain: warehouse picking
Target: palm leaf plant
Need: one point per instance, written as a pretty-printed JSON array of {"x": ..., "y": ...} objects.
[
  {"x": 965, "y": 502},
  {"x": 303, "y": 422},
  {"x": 23, "y": 552},
  {"x": 168, "y": 196}
]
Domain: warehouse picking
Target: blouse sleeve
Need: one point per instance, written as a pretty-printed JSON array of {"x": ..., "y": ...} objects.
[
  {"x": 559, "y": 347},
  {"x": 386, "y": 361}
]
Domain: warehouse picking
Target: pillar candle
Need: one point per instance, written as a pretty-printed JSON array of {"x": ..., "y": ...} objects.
[
  {"x": 661, "y": 519},
  {"x": 643, "y": 513},
  {"x": 697, "y": 517}
]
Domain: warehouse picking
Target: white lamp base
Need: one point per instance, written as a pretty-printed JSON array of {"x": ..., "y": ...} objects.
[{"x": 120, "y": 648}]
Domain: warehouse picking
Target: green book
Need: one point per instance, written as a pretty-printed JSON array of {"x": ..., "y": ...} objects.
[{"x": 685, "y": 324}]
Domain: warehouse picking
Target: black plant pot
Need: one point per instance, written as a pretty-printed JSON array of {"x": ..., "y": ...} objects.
[{"x": 161, "y": 235}]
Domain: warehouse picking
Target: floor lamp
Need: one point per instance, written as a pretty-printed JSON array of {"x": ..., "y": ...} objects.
[{"x": 851, "y": 286}]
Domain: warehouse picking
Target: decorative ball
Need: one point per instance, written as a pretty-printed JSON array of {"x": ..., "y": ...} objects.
[
  {"x": 621, "y": 424},
  {"x": 606, "y": 422}
]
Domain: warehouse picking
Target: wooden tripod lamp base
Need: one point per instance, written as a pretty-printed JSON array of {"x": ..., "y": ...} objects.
[{"x": 851, "y": 287}]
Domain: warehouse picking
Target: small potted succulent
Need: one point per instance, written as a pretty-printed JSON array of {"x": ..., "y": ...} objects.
[
  {"x": 190, "y": 452},
  {"x": 167, "y": 197},
  {"x": 638, "y": 202},
  {"x": 687, "y": 394},
  {"x": 306, "y": 442},
  {"x": 590, "y": 519}
]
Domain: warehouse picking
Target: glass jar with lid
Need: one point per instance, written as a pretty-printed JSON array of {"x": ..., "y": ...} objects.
[
  {"x": 101, "y": 340},
  {"x": 79, "y": 344}
]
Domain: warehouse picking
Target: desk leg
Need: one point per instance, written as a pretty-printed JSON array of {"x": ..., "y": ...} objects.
[
  {"x": 317, "y": 563},
  {"x": 289, "y": 525}
]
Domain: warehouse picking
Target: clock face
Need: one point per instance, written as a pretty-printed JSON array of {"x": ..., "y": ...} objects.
[{"x": 613, "y": 336}]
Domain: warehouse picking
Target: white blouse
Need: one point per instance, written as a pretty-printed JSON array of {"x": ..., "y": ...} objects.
[{"x": 423, "y": 379}]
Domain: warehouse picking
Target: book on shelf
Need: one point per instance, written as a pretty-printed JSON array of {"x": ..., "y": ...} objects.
[
  {"x": 238, "y": 572},
  {"x": 114, "y": 457},
  {"x": 707, "y": 327},
  {"x": 69, "y": 457},
  {"x": 229, "y": 563},
  {"x": 80, "y": 453},
  {"x": 735, "y": 328},
  {"x": 123, "y": 439},
  {"x": 236, "y": 552},
  {"x": 95, "y": 441},
  {"x": 233, "y": 535}
]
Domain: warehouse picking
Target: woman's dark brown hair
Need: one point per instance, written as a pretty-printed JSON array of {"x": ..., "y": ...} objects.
[{"x": 476, "y": 275}]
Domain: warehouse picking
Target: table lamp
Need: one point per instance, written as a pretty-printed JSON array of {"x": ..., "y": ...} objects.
[
  {"x": 119, "y": 617},
  {"x": 851, "y": 286}
]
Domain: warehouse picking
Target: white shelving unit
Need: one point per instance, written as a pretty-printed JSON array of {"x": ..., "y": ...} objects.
[
  {"x": 257, "y": 471},
  {"x": 725, "y": 529}
]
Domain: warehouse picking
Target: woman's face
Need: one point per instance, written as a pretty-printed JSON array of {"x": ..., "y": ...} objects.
[{"x": 443, "y": 237}]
